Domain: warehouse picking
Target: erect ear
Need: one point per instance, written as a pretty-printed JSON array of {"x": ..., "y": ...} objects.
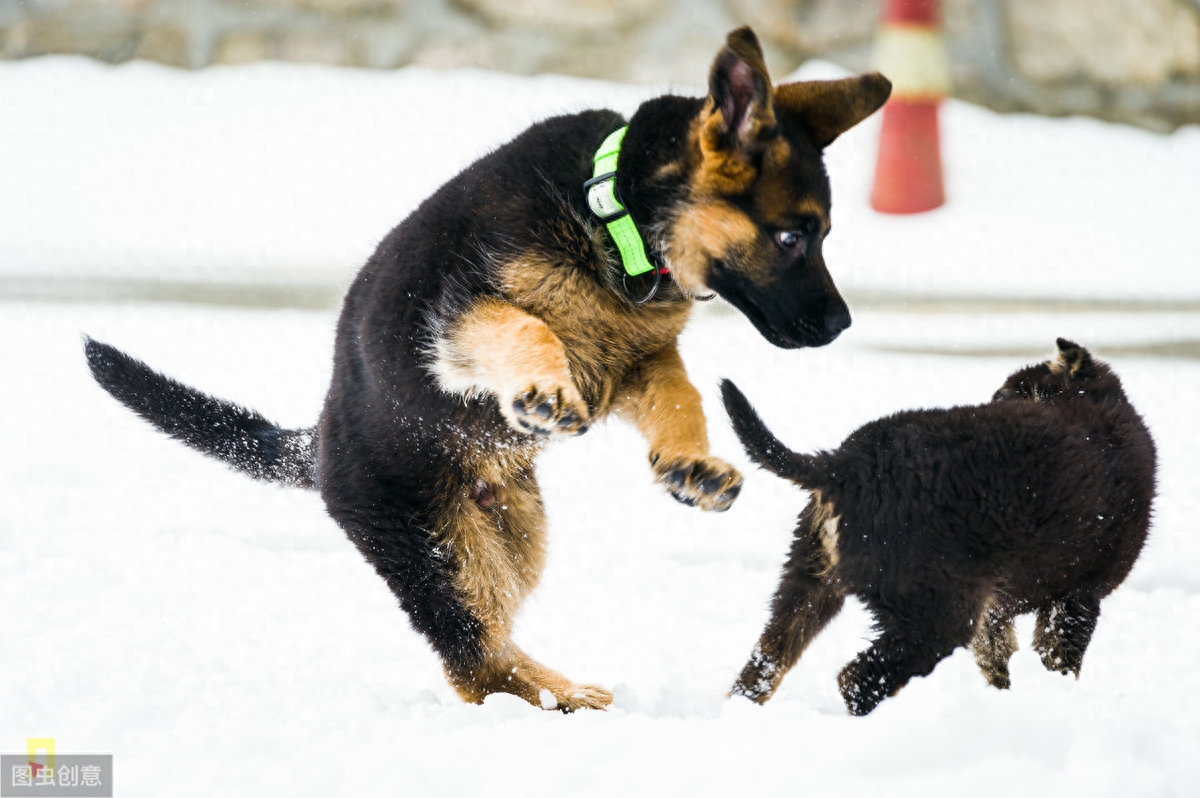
[
  {"x": 826, "y": 109},
  {"x": 1073, "y": 359},
  {"x": 739, "y": 91}
]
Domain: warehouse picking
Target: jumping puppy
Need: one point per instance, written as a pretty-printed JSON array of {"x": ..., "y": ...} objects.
[
  {"x": 540, "y": 290},
  {"x": 948, "y": 523}
]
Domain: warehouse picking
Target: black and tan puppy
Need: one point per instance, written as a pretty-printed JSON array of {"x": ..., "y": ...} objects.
[
  {"x": 948, "y": 523},
  {"x": 501, "y": 314}
]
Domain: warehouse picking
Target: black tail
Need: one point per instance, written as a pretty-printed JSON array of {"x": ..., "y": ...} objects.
[
  {"x": 232, "y": 434},
  {"x": 760, "y": 443}
]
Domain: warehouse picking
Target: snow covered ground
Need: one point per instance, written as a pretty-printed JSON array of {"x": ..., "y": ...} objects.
[{"x": 221, "y": 637}]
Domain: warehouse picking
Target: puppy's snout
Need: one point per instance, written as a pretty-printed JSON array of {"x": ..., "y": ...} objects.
[{"x": 837, "y": 319}]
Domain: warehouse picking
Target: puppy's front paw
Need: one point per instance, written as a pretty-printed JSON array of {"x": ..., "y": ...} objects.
[
  {"x": 704, "y": 482},
  {"x": 557, "y": 411}
]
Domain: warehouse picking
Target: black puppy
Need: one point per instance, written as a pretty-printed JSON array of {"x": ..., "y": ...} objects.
[{"x": 948, "y": 523}]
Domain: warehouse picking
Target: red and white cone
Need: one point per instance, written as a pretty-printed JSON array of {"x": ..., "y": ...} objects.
[{"x": 909, "y": 50}]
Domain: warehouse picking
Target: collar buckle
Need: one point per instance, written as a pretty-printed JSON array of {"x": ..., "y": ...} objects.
[{"x": 602, "y": 197}]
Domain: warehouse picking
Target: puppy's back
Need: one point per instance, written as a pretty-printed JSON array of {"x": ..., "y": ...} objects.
[{"x": 1019, "y": 492}]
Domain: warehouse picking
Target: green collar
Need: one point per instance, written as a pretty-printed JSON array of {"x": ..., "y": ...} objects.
[{"x": 601, "y": 193}]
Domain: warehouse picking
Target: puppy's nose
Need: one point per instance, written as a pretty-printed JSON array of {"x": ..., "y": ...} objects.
[{"x": 837, "y": 319}]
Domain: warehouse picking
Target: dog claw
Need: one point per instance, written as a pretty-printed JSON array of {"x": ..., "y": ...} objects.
[
  {"x": 732, "y": 493},
  {"x": 682, "y": 499},
  {"x": 548, "y": 413},
  {"x": 708, "y": 483},
  {"x": 676, "y": 478}
]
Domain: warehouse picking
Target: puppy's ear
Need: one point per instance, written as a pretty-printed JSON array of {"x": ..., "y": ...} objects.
[
  {"x": 825, "y": 109},
  {"x": 739, "y": 94},
  {"x": 1073, "y": 360},
  {"x": 1066, "y": 346}
]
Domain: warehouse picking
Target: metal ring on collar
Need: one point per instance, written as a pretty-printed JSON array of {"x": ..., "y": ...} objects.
[{"x": 649, "y": 294}]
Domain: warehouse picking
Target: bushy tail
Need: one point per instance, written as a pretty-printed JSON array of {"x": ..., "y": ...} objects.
[
  {"x": 761, "y": 444},
  {"x": 223, "y": 430}
]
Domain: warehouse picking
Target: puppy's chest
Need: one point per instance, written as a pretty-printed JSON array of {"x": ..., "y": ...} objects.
[{"x": 604, "y": 336}]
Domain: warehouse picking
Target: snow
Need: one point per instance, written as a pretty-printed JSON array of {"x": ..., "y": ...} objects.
[{"x": 219, "y": 636}]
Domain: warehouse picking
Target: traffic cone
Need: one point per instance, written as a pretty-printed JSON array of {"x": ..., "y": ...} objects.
[{"x": 910, "y": 52}]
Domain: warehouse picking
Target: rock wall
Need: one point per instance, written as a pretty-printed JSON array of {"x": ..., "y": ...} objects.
[{"x": 1135, "y": 61}]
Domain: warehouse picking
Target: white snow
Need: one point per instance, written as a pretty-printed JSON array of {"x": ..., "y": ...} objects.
[{"x": 222, "y": 637}]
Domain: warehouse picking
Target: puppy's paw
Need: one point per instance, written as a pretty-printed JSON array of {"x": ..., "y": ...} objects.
[
  {"x": 704, "y": 482},
  {"x": 759, "y": 678},
  {"x": 557, "y": 411},
  {"x": 581, "y": 696}
]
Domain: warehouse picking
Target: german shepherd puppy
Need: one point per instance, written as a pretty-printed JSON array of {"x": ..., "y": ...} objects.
[
  {"x": 948, "y": 523},
  {"x": 498, "y": 316}
]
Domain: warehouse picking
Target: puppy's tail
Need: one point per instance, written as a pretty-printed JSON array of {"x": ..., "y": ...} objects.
[
  {"x": 761, "y": 444},
  {"x": 223, "y": 430}
]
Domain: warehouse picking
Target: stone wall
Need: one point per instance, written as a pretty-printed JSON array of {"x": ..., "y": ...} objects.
[{"x": 1135, "y": 61}]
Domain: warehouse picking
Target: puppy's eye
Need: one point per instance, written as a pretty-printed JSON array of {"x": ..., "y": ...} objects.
[{"x": 790, "y": 239}]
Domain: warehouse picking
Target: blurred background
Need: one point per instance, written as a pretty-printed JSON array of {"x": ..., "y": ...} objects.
[
  {"x": 253, "y": 152},
  {"x": 1132, "y": 61}
]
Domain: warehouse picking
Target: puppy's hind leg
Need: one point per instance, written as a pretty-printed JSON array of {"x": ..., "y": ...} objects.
[
  {"x": 994, "y": 643},
  {"x": 499, "y": 548},
  {"x": 916, "y": 633},
  {"x": 511, "y": 670},
  {"x": 1064, "y": 629},
  {"x": 804, "y": 603},
  {"x": 461, "y": 564}
]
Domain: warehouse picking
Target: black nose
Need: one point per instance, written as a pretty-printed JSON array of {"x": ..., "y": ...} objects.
[{"x": 837, "y": 319}]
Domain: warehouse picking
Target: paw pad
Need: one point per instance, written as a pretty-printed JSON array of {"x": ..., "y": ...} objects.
[
  {"x": 544, "y": 413},
  {"x": 706, "y": 482}
]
